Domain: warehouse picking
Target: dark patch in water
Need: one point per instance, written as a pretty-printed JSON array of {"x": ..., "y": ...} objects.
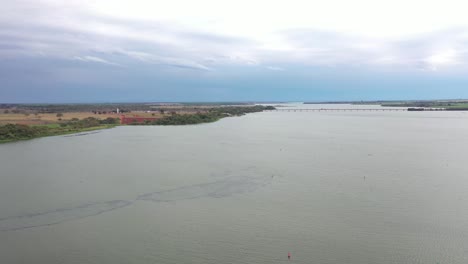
[
  {"x": 59, "y": 215},
  {"x": 216, "y": 189}
]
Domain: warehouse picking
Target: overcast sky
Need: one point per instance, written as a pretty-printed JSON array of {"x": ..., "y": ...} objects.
[{"x": 214, "y": 50}]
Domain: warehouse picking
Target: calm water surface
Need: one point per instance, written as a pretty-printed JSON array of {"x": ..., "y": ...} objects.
[{"x": 337, "y": 187}]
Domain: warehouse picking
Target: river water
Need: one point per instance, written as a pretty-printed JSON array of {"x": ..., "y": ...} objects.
[{"x": 329, "y": 187}]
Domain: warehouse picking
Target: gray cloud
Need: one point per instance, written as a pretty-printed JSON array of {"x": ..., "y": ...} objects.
[
  {"x": 426, "y": 51},
  {"x": 86, "y": 37},
  {"x": 95, "y": 59},
  {"x": 43, "y": 29}
]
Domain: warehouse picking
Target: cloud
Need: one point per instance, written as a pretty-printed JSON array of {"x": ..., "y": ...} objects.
[
  {"x": 442, "y": 49},
  {"x": 95, "y": 59},
  {"x": 443, "y": 58},
  {"x": 162, "y": 60},
  {"x": 149, "y": 33},
  {"x": 85, "y": 36},
  {"x": 274, "y": 68}
]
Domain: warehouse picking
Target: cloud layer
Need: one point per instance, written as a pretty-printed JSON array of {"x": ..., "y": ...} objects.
[{"x": 65, "y": 39}]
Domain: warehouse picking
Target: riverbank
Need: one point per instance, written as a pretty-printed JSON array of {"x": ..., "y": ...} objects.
[
  {"x": 16, "y": 132},
  {"x": 208, "y": 116}
]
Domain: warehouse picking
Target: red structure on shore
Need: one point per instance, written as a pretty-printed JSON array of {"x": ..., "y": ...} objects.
[{"x": 124, "y": 120}]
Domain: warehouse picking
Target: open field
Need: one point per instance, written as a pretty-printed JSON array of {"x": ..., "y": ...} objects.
[
  {"x": 456, "y": 105},
  {"x": 47, "y": 114},
  {"x": 46, "y": 118},
  {"x": 51, "y": 118}
]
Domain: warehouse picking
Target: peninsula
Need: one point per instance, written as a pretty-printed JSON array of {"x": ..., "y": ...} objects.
[{"x": 27, "y": 121}]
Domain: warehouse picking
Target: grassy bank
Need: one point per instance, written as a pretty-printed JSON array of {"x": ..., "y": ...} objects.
[
  {"x": 42, "y": 131},
  {"x": 16, "y": 132}
]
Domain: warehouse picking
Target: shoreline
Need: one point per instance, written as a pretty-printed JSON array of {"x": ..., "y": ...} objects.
[
  {"x": 18, "y": 132},
  {"x": 60, "y": 133}
]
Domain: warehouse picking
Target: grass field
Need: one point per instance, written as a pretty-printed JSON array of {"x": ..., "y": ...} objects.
[
  {"x": 449, "y": 104},
  {"x": 457, "y": 105}
]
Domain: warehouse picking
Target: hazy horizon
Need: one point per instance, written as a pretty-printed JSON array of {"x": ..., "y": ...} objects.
[{"x": 230, "y": 102}]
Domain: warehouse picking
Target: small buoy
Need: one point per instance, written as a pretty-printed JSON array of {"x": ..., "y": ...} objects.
[{"x": 289, "y": 255}]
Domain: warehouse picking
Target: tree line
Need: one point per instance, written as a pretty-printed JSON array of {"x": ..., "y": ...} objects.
[
  {"x": 212, "y": 115},
  {"x": 13, "y": 132}
]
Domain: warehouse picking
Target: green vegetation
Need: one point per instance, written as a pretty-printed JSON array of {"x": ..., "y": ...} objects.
[
  {"x": 75, "y": 123},
  {"x": 67, "y": 108},
  {"x": 103, "y": 108},
  {"x": 449, "y": 105},
  {"x": 188, "y": 119},
  {"x": 212, "y": 115},
  {"x": 241, "y": 110},
  {"x": 14, "y": 132}
]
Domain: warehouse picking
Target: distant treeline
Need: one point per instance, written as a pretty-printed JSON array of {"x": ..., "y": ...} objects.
[
  {"x": 410, "y": 103},
  {"x": 437, "y": 109},
  {"x": 13, "y": 132},
  {"x": 450, "y": 105},
  {"x": 102, "y": 107},
  {"x": 186, "y": 119},
  {"x": 89, "y": 122},
  {"x": 211, "y": 115},
  {"x": 439, "y": 104},
  {"x": 65, "y": 108}
]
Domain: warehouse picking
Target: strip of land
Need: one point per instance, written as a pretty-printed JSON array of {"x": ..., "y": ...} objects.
[
  {"x": 22, "y": 122},
  {"x": 413, "y": 105}
]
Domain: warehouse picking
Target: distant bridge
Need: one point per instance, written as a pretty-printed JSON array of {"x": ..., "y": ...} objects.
[{"x": 339, "y": 109}]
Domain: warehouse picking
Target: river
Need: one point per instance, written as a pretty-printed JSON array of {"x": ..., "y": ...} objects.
[{"x": 329, "y": 187}]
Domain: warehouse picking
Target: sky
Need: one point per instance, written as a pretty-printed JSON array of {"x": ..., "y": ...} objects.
[{"x": 73, "y": 51}]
